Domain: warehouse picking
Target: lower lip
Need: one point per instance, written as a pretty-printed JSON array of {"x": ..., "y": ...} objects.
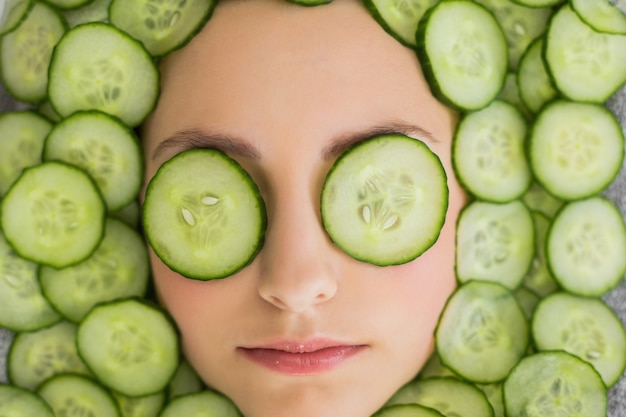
[{"x": 306, "y": 363}]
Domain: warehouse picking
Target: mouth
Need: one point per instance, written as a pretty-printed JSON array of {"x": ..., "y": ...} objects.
[{"x": 302, "y": 358}]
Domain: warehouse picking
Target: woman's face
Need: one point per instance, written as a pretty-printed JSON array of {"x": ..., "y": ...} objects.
[{"x": 304, "y": 330}]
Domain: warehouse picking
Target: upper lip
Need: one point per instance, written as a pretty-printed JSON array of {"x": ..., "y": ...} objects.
[{"x": 301, "y": 346}]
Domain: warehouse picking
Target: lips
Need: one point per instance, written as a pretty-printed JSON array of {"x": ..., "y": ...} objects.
[{"x": 301, "y": 358}]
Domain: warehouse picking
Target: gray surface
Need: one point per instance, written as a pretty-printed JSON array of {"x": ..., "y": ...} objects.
[{"x": 617, "y": 298}]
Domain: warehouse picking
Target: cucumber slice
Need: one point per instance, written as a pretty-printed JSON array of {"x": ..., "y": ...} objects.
[
  {"x": 162, "y": 26},
  {"x": 539, "y": 278},
  {"x": 19, "y": 402},
  {"x": 576, "y": 149},
  {"x": 585, "y": 327},
  {"x": 76, "y": 395},
  {"x": 105, "y": 148},
  {"x": 12, "y": 12},
  {"x": 493, "y": 392},
  {"x": 585, "y": 65},
  {"x": 25, "y": 53},
  {"x": 24, "y": 308},
  {"x": 449, "y": 396},
  {"x": 384, "y": 200},
  {"x": 53, "y": 214},
  {"x": 535, "y": 85},
  {"x": 400, "y": 18},
  {"x": 146, "y": 406},
  {"x": 434, "y": 368},
  {"x": 527, "y": 301},
  {"x": 185, "y": 381},
  {"x": 494, "y": 242},
  {"x": 69, "y": 4},
  {"x": 46, "y": 110},
  {"x": 586, "y": 245},
  {"x": 206, "y": 403},
  {"x": 482, "y": 332},
  {"x": 510, "y": 94},
  {"x": 37, "y": 356},
  {"x": 310, "y": 2},
  {"x": 407, "y": 410},
  {"x": 520, "y": 25},
  {"x": 23, "y": 134},
  {"x": 538, "y": 3},
  {"x": 601, "y": 15},
  {"x": 131, "y": 346},
  {"x": 538, "y": 199},
  {"x": 203, "y": 215},
  {"x": 488, "y": 153},
  {"x": 94, "y": 11},
  {"x": 129, "y": 214},
  {"x": 463, "y": 53},
  {"x": 117, "y": 269},
  {"x": 119, "y": 77},
  {"x": 554, "y": 384}
]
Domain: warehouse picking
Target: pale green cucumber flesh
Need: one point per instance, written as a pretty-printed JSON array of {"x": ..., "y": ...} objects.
[{"x": 204, "y": 215}]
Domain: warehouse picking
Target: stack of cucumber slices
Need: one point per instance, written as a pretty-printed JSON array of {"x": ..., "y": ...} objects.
[{"x": 526, "y": 333}]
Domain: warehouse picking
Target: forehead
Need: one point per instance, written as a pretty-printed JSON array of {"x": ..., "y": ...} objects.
[{"x": 261, "y": 60}]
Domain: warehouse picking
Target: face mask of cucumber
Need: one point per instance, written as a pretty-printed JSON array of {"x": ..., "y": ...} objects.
[{"x": 305, "y": 173}]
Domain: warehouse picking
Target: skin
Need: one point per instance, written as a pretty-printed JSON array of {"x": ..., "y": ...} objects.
[{"x": 295, "y": 84}]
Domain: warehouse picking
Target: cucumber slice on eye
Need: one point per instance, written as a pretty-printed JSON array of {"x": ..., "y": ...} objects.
[
  {"x": 482, "y": 332},
  {"x": 463, "y": 53},
  {"x": 203, "y": 215},
  {"x": 586, "y": 245},
  {"x": 53, "y": 214},
  {"x": 385, "y": 199},
  {"x": 554, "y": 383},
  {"x": 118, "y": 77},
  {"x": 161, "y": 25},
  {"x": 585, "y": 327}
]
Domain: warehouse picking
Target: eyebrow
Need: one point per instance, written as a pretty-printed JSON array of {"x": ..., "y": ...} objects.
[
  {"x": 237, "y": 146},
  {"x": 343, "y": 142}
]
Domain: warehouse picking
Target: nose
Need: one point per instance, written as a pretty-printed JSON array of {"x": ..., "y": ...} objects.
[{"x": 298, "y": 269}]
